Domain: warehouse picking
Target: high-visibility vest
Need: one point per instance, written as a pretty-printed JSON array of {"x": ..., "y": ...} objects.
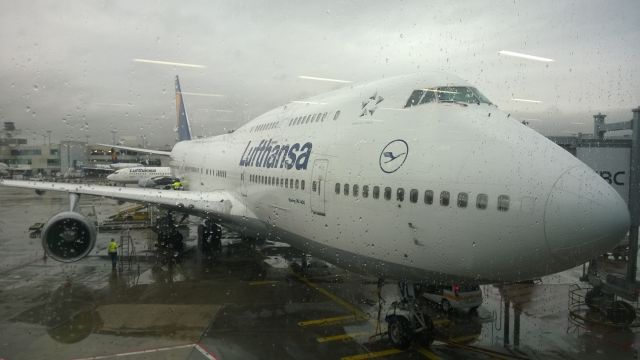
[{"x": 113, "y": 247}]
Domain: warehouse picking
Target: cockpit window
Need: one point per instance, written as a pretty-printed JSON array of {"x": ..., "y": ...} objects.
[{"x": 447, "y": 94}]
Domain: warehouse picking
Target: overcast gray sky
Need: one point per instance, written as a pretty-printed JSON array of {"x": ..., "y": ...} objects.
[{"x": 67, "y": 66}]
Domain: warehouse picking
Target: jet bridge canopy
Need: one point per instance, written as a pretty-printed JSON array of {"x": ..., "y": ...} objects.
[{"x": 446, "y": 94}]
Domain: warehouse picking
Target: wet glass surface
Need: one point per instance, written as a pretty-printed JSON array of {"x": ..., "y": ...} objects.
[{"x": 80, "y": 74}]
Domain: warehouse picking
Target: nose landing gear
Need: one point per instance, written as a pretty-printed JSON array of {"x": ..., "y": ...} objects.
[{"x": 407, "y": 321}]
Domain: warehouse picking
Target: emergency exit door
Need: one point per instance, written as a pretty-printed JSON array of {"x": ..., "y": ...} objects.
[{"x": 318, "y": 185}]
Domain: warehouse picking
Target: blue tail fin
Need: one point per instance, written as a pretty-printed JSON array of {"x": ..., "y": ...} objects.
[{"x": 184, "y": 129}]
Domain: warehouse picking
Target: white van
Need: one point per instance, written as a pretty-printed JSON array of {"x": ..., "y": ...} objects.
[{"x": 465, "y": 298}]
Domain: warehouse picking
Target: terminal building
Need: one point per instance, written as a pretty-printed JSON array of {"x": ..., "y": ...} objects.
[{"x": 67, "y": 158}]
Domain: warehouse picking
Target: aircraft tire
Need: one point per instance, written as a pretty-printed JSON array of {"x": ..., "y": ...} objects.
[{"x": 399, "y": 332}]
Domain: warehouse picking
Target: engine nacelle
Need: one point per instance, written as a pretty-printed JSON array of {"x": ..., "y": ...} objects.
[{"x": 68, "y": 236}]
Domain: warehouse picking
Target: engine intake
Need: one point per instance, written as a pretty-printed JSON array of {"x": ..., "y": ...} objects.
[{"x": 68, "y": 236}]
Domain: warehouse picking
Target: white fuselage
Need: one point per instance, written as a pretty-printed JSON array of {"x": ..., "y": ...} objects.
[
  {"x": 545, "y": 210},
  {"x": 134, "y": 175}
]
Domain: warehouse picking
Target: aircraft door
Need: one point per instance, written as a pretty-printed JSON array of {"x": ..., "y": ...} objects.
[
  {"x": 243, "y": 185},
  {"x": 318, "y": 186}
]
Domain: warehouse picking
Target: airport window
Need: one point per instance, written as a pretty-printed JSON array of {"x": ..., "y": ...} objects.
[
  {"x": 387, "y": 193},
  {"x": 444, "y": 198},
  {"x": 413, "y": 196},
  {"x": 503, "y": 203},
  {"x": 302, "y": 185},
  {"x": 365, "y": 191},
  {"x": 481, "y": 201},
  {"x": 428, "y": 197},
  {"x": 346, "y": 189},
  {"x": 355, "y": 190},
  {"x": 376, "y": 192},
  {"x": 297, "y": 184},
  {"x": 337, "y": 188},
  {"x": 463, "y": 199},
  {"x": 337, "y": 115},
  {"x": 400, "y": 194}
]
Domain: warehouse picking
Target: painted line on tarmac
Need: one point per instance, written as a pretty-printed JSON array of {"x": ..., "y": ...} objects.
[
  {"x": 263, "y": 282},
  {"x": 131, "y": 353},
  {"x": 357, "y": 312},
  {"x": 204, "y": 352},
  {"x": 428, "y": 353},
  {"x": 373, "y": 355},
  {"x": 492, "y": 353},
  {"x": 329, "y": 320},
  {"x": 349, "y": 336}
]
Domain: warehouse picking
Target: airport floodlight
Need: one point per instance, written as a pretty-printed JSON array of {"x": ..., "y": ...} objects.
[
  {"x": 526, "y": 100},
  {"x": 169, "y": 63},
  {"x": 305, "y": 77},
  {"x": 524, "y": 56}
]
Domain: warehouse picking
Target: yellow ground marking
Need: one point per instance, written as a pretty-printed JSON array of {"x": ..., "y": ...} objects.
[
  {"x": 428, "y": 353},
  {"x": 263, "y": 282},
  {"x": 373, "y": 355},
  {"x": 341, "y": 337},
  {"x": 352, "y": 309},
  {"x": 463, "y": 339},
  {"x": 329, "y": 320}
]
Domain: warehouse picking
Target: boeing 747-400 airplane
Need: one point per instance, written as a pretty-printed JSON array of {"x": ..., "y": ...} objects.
[{"x": 416, "y": 177}]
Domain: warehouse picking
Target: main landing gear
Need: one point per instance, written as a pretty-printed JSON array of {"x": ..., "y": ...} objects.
[
  {"x": 407, "y": 321},
  {"x": 170, "y": 241},
  {"x": 209, "y": 238}
]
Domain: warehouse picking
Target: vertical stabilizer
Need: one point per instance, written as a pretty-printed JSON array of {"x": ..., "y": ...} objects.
[{"x": 184, "y": 128}]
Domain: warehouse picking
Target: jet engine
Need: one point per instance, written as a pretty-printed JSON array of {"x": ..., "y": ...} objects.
[{"x": 68, "y": 236}]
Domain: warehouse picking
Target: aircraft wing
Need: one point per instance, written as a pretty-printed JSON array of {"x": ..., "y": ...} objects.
[
  {"x": 146, "y": 151},
  {"x": 220, "y": 203}
]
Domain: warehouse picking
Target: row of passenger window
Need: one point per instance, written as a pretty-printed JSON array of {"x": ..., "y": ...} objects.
[
  {"x": 276, "y": 181},
  {"x": 319, "y": 117},
  {"x": 267, "y": 126},
  {"x": 481, "y": 200},
  {"x": 218, "y": 173}
]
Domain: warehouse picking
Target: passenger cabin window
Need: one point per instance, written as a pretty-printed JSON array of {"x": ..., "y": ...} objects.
[
  {"x": 503, "y": 203},
  {"x": 365, "y": 191},
  {"x": 337, "y": 115},
  {"x": 400, "y": 194},
  {"x": 313, "y": 186},
  {"x": 376, "y": 192},
  {"x": 413, "y": 196},
  {"x": 302, "y": 185},
  {"x": 444, "y": 198},
  {"x": 387, "y": 193},
  {"x": 346, "y": 189},
  {"x": 355, "y": 190},
  {"x": 297, "y": 183},
  {"x": 428, "y": 197},
  {"x": 463, "y": 199},
  {"x": 337, "y": 188},
  {"x": 481, "y": 201}
]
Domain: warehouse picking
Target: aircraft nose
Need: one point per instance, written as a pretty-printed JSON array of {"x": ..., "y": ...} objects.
[{"x": 584, "y": 217}]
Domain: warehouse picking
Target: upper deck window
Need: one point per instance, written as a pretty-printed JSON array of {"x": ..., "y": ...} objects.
[{"x": 447, "y": 94}]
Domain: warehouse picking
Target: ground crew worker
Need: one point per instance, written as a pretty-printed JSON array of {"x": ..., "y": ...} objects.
[
  {"x": 113, "y": 252},
  {"x": 177, "y": 185}
]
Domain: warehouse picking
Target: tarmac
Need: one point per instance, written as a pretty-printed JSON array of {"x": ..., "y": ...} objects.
[{"x": 251, "y": 302}]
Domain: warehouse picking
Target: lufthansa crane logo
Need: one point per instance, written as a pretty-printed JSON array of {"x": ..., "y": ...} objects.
[{"x": 393, "y": 156}]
